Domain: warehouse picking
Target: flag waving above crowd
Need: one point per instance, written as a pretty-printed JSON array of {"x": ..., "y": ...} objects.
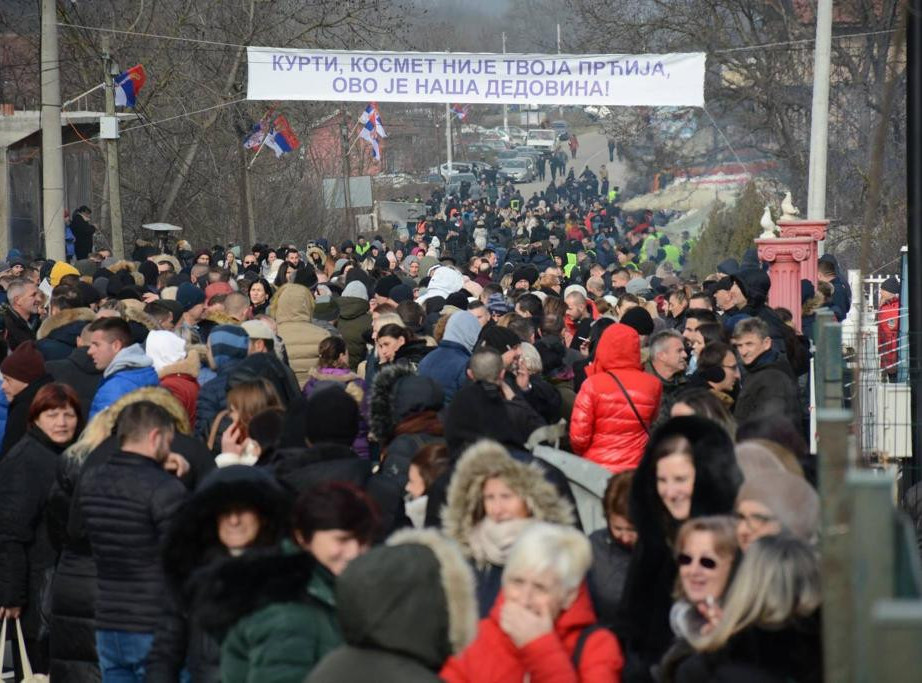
[
  {"x": 128, "y": 84},
  {"x": 372, "y": 128}
]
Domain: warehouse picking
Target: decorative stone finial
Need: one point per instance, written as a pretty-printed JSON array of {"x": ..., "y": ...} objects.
[
  {"x": 768, "y": 226},
  {"x": 789, "y": 212}
]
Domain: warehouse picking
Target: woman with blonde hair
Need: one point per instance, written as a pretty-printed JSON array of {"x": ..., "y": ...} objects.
[
  {"x": 542, "y": 626},
  {"x": 770, "y": 628}
]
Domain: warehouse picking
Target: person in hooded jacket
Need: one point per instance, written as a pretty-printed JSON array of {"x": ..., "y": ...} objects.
[
  {"x": 447, "y": 363},
  {"x": 235, "y": 510},
  {"x": 26, "y": 475},
  {"x": 403, "y": 634},
  {"x": 354, "y": 321},
  {"x": 275, "y": 613},
  {"x": 176, "y": 368},
  {"x": 124, "y": 365},
  {"x": 542, "y": 626},
  {"x": 227, "y": 348},
  {"x": 688, "y": 470},
  {"x": 293, "y": 309},
  {"x": 404, "y": 417},
  {"x": 752, "y": 284},
  {"x": 768, "y": 386},
  {"x": 491, "y": 500},
  {"x": 616, "y": 405},
  {"x": 57, "y": 335},
  {"x": 78, "y": 371}
]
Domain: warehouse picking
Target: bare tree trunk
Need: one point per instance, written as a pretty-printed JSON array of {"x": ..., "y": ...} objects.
[{"x": 192, "y": 150}]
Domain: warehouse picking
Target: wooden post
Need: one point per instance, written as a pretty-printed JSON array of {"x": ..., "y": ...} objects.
[
  {"x": 112, "y": 173},
  {"x": 833, "y": 426}
]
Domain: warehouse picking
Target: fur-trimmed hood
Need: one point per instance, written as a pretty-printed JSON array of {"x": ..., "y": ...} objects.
[
  {"x": 136, "y": 314},
  {"x": 192, "y": 540},
  {"x": 130, "y": 267},
  {"x": 219, "y": 317},
  {"x": 101, "y": 426},
  {"x": 63, "y": 319},
  {"x": 190, "y": 365},
  {"x": 381, "y": 420},
  {"x": 413, "y": 596},
  {"x": 486, "y": 460},
  {"x": 177, "y": 266}
]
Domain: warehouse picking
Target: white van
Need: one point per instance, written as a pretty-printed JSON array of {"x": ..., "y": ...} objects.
[{"x": 541, "y": 139}]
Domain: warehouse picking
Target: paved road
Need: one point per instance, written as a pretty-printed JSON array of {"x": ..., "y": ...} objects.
[{"x": 593, "y": 151}]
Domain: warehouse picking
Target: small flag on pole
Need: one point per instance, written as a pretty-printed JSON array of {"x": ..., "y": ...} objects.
[
  {"x": 255, "y": 137},
  {"x": 372, "y": 114},
  {"x": 128, "y": 84},
  {"x": 460, "y": 111},
  {"x": 282, "y": 139},
  {"x": 368, "y": 134}
]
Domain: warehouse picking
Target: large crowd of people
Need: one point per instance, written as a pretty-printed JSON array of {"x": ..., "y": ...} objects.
[{"x": 287, "y": 464}]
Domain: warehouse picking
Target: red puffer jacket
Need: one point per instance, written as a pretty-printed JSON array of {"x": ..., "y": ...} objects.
[
  {"x": 603, "y": 428},
  {"x": 888, "y": 334},
  {"x": 494, "y": 658}
]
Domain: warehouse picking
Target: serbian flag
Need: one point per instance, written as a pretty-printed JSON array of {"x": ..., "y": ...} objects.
[
  {"x": 369, "y": 134},
  {"x": 460, "y": 111},
  {"x": 257, "y": 134},
  {"x": 128, "y": 84},
  {"x": 282, "y": 139},
  {"x": 372, "y": 114}
]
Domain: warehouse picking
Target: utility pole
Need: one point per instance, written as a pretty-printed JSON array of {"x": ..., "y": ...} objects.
[
  {"x": 112, "y": 173},
  {"x": 505, "y": 109},
  {"x": 52, "y": 153},
  {"x": 347, "y": 191},
  {"x": 560, "y": 108},
  {"x": 246, "y": 199},
  {"x": 448, "y": 137},
  {"x": 819, "y": 115},
  {"x": 914, "y": 219}
]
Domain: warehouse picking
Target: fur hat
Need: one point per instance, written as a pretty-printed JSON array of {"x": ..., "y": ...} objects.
[{"x": 791, "y": 499}]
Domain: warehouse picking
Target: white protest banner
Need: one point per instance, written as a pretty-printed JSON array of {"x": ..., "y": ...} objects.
[{"x": 625, "y": 80}]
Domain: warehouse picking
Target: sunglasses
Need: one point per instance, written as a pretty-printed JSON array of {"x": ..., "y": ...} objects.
[{"x": 705, "y": 562}]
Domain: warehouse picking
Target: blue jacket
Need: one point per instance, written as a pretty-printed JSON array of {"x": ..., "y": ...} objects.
[
  {"x": 447, "y": 365},
  {"x": 212, "y": 399},
  {"x": 130, "y": 369}
]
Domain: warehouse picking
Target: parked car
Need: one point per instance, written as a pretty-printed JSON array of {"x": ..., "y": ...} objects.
[
  {"x": 453, "y": 183},
  {"x": 495, "y": 143},
  {"x": 456, "y": 167},
  {"x": 513, "y": 135},
  {"x": 517, "y": 170},
  {"x": 561, "y": 128},
  {"x": 541, "y": 139}
]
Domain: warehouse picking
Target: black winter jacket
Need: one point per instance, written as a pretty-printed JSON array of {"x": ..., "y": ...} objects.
[
  {"x": 78, "y": 372},
  {"x": 73, "y": 596},
  {"x": 15, "y": 329},
  {"x": 126, "y": 505},
  {"x": 26, "y": 553},
  {"x": 768, "y": 388},
  {"x": 17, "y": 420}
]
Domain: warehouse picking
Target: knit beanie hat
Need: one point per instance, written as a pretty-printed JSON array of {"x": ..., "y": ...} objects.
[
  {"x": 25, "y": 363},
  {"x": 891, "y": 284},
  {"x": 386, "y": 284},
  {"x": 164, "y": 348},
  {"x": 227, "y": 343},
  {"x": 189, "y": 296},
  {"x": 400, "y": 293},
  {"x": 639, "y": 319},
  {"x": 332, "y": 415},
  {"x": 86, "y": 267},
  {"x": 356, "y": 290},
  {"x": 59, "y": 270}
]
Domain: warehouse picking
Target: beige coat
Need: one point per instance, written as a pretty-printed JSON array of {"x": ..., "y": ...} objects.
[{"x": 293, "y": 310}]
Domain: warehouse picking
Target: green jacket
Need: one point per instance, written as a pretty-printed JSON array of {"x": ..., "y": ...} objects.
[
  {"x": 354, "y": 321},
  {"x": 674, "y": 256},
  {"x": 283, "y": 641}
]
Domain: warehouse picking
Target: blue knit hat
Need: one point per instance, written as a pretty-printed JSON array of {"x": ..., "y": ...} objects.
[{"x": 228, "y": 343}]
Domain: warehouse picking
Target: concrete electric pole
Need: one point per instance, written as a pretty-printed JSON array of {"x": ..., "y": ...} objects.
[
  {"x": 52, "y": 153},
  {"x": 112, "y": 173},
  {"x": 819, "y": 116}
]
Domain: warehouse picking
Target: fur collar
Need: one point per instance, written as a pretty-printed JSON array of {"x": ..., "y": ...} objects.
[
  {"x": 132, "y": 269},
  {"x": 189, "y": 365},
  {"x": 485, "y": 460},
  {"x": 219, "y": 317},
  {"x": 102, "y": 425},
  {"x": 62, "y": 319},
  {"x": 381, "y": 422},
  {"x": 234, "y": 588},
  {"x": 137, "y": 315}
]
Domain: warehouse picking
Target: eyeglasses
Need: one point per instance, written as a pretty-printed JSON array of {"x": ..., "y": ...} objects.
[
  {"x": 249, "y": 263},
  {"x": 708, "y": 563},
  {"x": 754, "y": 521}
]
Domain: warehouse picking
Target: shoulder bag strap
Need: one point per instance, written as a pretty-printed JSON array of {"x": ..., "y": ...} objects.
[
  {"x": 630, "y": 402},
  {"x": 581, "y": 643}
]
